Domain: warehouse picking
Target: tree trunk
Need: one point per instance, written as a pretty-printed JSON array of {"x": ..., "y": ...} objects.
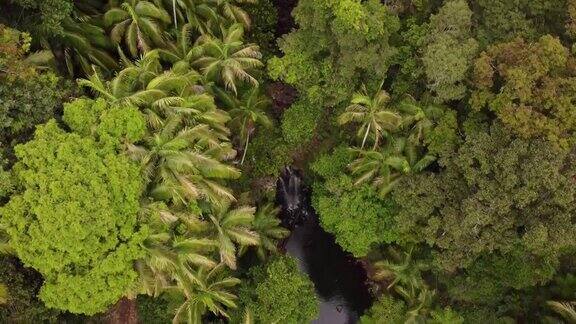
[
  {"x": 366, "y": 136},
  {"x": 124, "y": 312},
  {"x": 245, "y": 148}
]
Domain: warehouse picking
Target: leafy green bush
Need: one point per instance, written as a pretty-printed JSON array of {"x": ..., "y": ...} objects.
[
  {"x": 498, "y": 193},
  {"x": 75, "y": 221},
  {"x": 386, "y": 310},
  {"x": 153, "y": 310},
  {"x": 278, "y": 292},
  {"x": 356, "y": 216},
  {"x": 44, "y": 17},
  {"x": 331, "y": 165},
  {"x": 111, "y": 125},
  {"x": 299, "y": 122},
  {"x": 488, "y": 280},
  {"x": 27, "y": 97},
  {"x": 268, "y": 153},
  {"x": 262, "y": 31},
  {"x": 337, "y": 46}
]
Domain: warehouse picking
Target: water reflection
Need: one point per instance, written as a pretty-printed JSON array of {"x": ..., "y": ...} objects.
[{"x": 339, "y": 279}]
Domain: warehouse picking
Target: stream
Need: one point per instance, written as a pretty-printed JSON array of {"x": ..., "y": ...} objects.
[{"x": 339, "y": 279}]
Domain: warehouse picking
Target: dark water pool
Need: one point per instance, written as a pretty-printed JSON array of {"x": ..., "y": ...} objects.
[{"x": 339, "y": 279}]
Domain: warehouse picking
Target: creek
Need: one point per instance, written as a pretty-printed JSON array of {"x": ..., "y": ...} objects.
[{"x": 339, "y": 278}]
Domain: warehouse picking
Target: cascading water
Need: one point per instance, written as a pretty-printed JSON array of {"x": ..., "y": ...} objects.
[
  {"x": 293, "y": 197},
  {"x": 339, "y": 279}
]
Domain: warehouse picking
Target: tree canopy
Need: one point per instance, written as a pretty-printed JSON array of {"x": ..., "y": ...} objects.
[
  {"x": 75, "y": 219},
  {"x": 280, "y": 293}
]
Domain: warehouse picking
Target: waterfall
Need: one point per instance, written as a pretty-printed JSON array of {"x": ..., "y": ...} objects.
[{"x": 293, "y": 197}]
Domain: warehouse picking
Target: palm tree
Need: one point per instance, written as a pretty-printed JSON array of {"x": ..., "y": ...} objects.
[
  {"x": 205, "y": 290},
  {"x": 248, "y": 113},
  {"x": 196, "y": 109},
  {"x": 144, "y": 84},
  {"x": 418, "y": 120},
  {"x": 403, "y": 271},
  {"x": 232, "y": 225},
  {"x": 85, "y": 44},
  {"x": 230, "y": 11},
  {"x": 565, "y": 309},
  {"x": 384, "y": 168},
  {"x": 181, "y": 166},
  {"x": 405, "y": 276},
  {"x": 373, "y": 113},
  {"x": 229, "y": 60},
  {"x": 202, "y": 15},
  {"x": 134, "y": 77},
  {"x": 183, "y": 51},
  {"x": 140, "y": 23},
  {"x": 267, "y": 225}
]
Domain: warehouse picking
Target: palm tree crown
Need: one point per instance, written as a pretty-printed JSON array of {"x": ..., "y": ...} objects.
[
  {"x": 140, "y": 23},
  {"x": 232, "y": 225},
  {"x": 373, "y": 113},
  {"x": 229, "y": 60}
]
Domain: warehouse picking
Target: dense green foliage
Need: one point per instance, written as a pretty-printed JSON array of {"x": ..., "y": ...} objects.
[
  {"x": 299, "y": 122},
  {"x": 437, "y": 138},
  {"x": 449, "y": 50},
  {"x": 491, "y": 198},
  {"x": 350, "y": 44},
  {"x": 91, "y": 208},
  {"x": 278, "y": 292},
  {"x": 29, "y": 95},
  {"x": 385, "y": 310},
  {"x": 531, "y": 90},
  {"x": 355, "y": 215},
  {"x": 43, "y": 17},
  {"x": 22, "y": 285}
]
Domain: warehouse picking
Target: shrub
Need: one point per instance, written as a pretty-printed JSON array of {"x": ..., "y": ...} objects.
[
  {"x": 75, "y": 220},
  {"x": 299, "y": 122},
  {"x": 278, "y": 292}
]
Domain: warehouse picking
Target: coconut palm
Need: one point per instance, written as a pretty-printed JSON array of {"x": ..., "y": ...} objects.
[
  {"x": 402, "y": 271},
  {"x": 249, "y": 112},
  {"x": 205, "y": 290},
  {"x": 183, "y": 50},
  {"x": 418, "y": 120},
  {"x": 169, "y": 254},
  {"x": 374, "y": 115},
  {"x": 231, "y": 226},
  {"x": 228, "y": 60},
  {"x": 139, "y": 23},
  {"x": 134, "y": 77},
  {"x": 404, "y": 274},
  {"x": 230, "y": 11},
  {"x": 565, "y": 309},
  {"x": 144, "y": 84},
  {"x": 195, "y": 109},
  {"x": 267, "y": 225},
  {"x": 384, "y": 168},
  {"x": 183, "y": 164},
  {"x": 203, "y": 15},
  {"x": 86, "y": 44}
]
